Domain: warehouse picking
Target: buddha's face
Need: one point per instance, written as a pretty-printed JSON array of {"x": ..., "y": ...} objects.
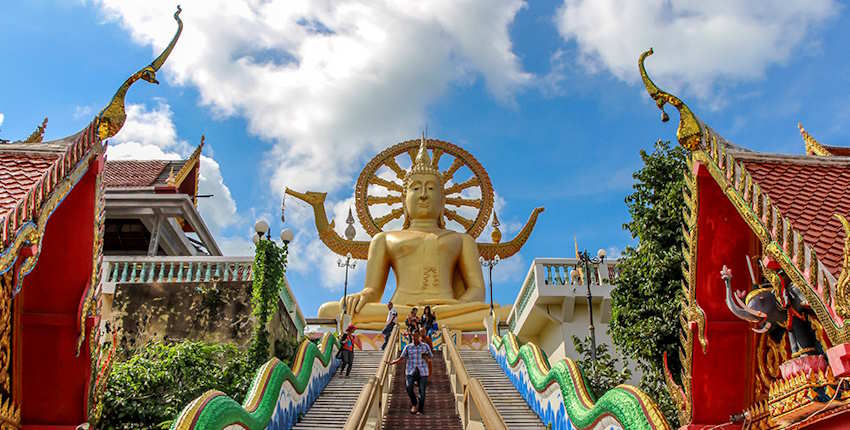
[{"x": 423, "y": 197}]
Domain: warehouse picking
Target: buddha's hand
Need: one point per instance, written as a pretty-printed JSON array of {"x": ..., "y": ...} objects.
[{"x": 356, "y": 301}]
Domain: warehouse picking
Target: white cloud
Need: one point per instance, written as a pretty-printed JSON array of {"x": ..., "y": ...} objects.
[
  {"x": 150, "y": 134},
  {"x": 329, "y": 82},
  {"x": 697, "y": 43},
  {"x": 81, "y": 112},
  {"x": 139, "y": 151},
  {"x": 219, "y": 210},
  {"x": 153, "y": 127},
  {"x": 2, "y": 117}
]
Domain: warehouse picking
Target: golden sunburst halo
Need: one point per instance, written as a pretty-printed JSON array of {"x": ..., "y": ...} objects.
[{"x": 469, "y": 199}]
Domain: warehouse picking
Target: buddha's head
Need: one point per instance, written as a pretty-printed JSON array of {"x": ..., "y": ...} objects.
[{"x": 422, "y": 194}]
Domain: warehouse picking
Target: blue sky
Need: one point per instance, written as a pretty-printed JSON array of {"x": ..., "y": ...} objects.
[{"x": 546, "y": 95}]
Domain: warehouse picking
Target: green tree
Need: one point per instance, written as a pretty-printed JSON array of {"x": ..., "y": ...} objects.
[
  {"x": 647, "y": 300},
  {"x": 604, "y": 374},
  {"x": 150, "y": 388}
]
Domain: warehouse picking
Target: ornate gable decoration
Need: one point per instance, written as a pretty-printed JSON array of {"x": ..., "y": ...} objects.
[{"x": 780, "y": 238}]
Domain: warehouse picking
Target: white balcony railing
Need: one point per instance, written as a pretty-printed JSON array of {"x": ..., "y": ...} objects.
[
  {"x": 131, "y": 270},
  {"x": 548, "y": 276}
]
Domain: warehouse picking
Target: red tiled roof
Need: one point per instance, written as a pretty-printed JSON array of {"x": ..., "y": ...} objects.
[
  {"x": 809, "y": 193},
  {"x": 132, "y": 173},
  {"x": 19, "y": 174},
  {"x": 29, "y": 172},
  {"x": 139, "y": 173},
  {"x": 838, "y": 151}
]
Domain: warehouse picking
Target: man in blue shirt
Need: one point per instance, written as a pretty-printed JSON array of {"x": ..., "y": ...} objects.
[{"x": 416, "y": 370}]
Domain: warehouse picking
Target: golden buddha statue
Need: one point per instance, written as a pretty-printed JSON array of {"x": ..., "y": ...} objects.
[{"x": 432, "y": 264}]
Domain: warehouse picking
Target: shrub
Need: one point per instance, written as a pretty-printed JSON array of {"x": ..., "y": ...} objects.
[
  {"x": 606, "y": 373},
  {"x": 150, "y": 388}
]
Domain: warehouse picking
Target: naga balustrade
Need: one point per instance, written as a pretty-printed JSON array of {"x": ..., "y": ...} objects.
[
  {"x": 474, "y": 406},
  {"x": 372, "y": 404}
]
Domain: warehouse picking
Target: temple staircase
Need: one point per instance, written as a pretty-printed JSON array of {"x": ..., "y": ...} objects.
[
  {"x": 332, "y": 407},
  {"x": 505, "y": 397},
  {"x": 440, "y": 410}
]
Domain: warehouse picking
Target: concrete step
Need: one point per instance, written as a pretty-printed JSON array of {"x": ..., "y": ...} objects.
[
  {"x": 332, "y": 407},
  {"x": 506, "y": 399}
]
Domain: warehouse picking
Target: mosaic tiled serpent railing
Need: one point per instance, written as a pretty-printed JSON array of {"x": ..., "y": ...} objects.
[
  {"x": 277, "y": 397},
  {"x": 559, "y": 396}
]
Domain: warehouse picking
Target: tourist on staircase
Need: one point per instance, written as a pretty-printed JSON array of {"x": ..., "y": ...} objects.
[
  {"x": 416, "y": 370},
  {"x": 412, "y": 324},
  {"x": 425, "y": 338},
  {"x": 348, "y": 341},
  {"x": 429, "y": 320},
  {"x": 392, "y": 316}
]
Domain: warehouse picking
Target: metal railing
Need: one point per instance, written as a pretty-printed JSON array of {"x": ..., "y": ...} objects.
[
  {"x": 474, "y": 406},
  {"x": 371, "y": 405}
]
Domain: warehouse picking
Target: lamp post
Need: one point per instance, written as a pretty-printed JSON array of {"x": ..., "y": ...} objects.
[
  {"x": 349, "y": 263},
  {"x": 490, "y": 264},
  {"x": 585, "y": 260},
  {"x": 261, "y": 227}
]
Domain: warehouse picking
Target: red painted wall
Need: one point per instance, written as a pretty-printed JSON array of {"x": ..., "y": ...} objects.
[
  {"x": 722, "y": 378},
  {"x": 53, "y": 381}
]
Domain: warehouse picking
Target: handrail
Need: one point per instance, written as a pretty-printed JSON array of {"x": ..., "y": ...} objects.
[
  {"x": 371, "y": 394},
  {"x": 493, "y": 420},
  {"x": 472, "y": 389}
]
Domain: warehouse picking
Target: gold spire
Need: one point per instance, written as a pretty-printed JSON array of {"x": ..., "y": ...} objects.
[
  {"x": 112, "y": 117},
  {"x": 813, "y": 147},
  {"x": 37, "y": 135},
  {"x": 689, "y": 132},
  {"x": 422, "y": 163},
  {"x": 496, "y": 235},
  {"x": 575, "y": 241}
]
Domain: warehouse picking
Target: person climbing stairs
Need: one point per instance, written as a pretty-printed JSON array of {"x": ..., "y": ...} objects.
[
  {"x": 331, "y": 408},
  {"x": 507, "y": 400}
]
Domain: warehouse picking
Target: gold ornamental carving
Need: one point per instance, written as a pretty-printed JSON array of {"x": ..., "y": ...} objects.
[
  {"x": 813, "y": 147},
  {"x": 842, "y": 286},
  {"x": 112, "y": 117},
  {"x": 384, "y": 174},
  {"x": 10, "y": 412},
  {"x": 689, "y": 132}
]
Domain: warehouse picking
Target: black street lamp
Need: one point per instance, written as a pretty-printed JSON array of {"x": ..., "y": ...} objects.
[
  {"x": 349, "y": 262},
  {"x": 585, "y": 260},
  {"x": 490, "y": 264}
]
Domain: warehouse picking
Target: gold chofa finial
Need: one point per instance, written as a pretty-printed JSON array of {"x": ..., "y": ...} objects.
[
  {"x": 813, "y": 147},
  {"x": 112, "y": 117},
  {"x": 37, "y": 135},
  {"x": 689, "y": 132}
]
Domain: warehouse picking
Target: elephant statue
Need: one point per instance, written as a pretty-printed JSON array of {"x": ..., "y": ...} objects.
[{"x": 775, "y": 312}]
